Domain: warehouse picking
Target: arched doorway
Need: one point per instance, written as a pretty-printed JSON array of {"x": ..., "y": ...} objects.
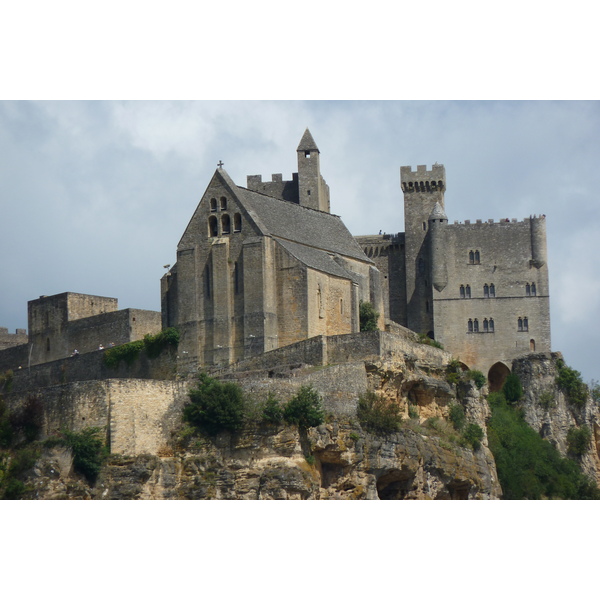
[{"x": 497, "y": 375}]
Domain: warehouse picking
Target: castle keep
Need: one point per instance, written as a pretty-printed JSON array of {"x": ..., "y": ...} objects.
[{"x": 267, "y": 266}]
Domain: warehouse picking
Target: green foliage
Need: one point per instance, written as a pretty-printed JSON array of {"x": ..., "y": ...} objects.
[
  {"x": 478, "y": 377},
  {"x": 310, "y": 459},
  {"x": 215, "y": 406},
  {"x": 367, "y": 317},
  {"x": 6, "y": 430},
  {"x": 425, "y": 339},
  {"x": 570, "y": 382},
  {"x": 88, "y": 447},
  {"x": 305, "y": 409},
  {"x": 546, "y": 399},
  {"x": 454, "y": 372},
  {"x": 126, "y": 352},
  {"x": 6, "y": 381},
  {"x": 457, "y": 416},
  {"x": 413, "y": 413},
  {"x": 528, "y": 466},
  {"x": 152, "y": 344},
  {"x": 594, "y": 388},
  {"x": 13, "y": 465},
  {"x": 472, "y": 436},
  {"x": 354, "y": 436},
  {"x": 378, "y": 415},
  {"x": 512, "y": 388},
  {"x": 155, "y": 344},
  {"x": 272, "y": 411},
  {"x": 578, "y": 440}
]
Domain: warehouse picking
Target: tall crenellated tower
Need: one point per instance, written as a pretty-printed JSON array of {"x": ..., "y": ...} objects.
[
  {"x": 313, "y": 192},
  {"x": 423, "y": 190}
]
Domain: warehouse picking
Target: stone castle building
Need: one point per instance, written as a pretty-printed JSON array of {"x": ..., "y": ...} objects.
[{"x": 265, "y": 266}]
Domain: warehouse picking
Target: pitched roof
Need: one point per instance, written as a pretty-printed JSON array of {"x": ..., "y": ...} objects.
[
  {"x": 307, "y": 142},
  {"x": 295, "y": 223}
]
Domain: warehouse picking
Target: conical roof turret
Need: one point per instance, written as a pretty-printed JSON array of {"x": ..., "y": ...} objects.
[
  {"x": 307, "y": 143},
  {"x": 438, "y": 212}
]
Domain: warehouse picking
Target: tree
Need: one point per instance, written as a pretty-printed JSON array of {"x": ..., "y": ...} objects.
[
  {"x": 305, "y": 409},
  {"x": 367, "y": 316},
  {"x": 512, "y": 389}
]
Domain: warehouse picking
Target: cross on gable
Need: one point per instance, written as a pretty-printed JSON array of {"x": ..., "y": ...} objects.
[{"x": 220, "y": 164}]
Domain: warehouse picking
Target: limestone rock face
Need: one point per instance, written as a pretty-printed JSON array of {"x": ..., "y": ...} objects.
[{"x": 548, "y": 411}]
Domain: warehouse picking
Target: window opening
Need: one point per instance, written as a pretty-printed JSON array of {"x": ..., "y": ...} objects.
[
  {"x": 213, "y": 227},
  {"x": 476, "y": 326},
  {"x": 226, "y": 224},
  {"x": 476, "y": 257},
  {"x": 528, "y": 290},
  {"x": 485, "y": 325},
  {"x": 492, "y": 291},
  {"x": 468, "y": 291},
  {"x": 491, "y": 325},
  {"x": 223, "y": 203},
  {"x": 532, "y": 345},
  {"x": 525, "y": 324},
  {"x": 533, "y": 290},
  {"x": 424, "y": 226},
  {"x": 471, "y": 257},
  {"x": 470, "y": 326},
  {"x": 462, "y": 291},
  {"x": 47, "y": 344},
  {"x": 237, "y": 222},
  {"x": 213, "y": 204},
  {"x": 520, "y": 324},
  {"x": 486, "y": 291}
]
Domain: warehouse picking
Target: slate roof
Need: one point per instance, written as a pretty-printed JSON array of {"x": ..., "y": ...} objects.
[
  {"x": 307, "y": 142},
  {"x": 305, "y": 226}
]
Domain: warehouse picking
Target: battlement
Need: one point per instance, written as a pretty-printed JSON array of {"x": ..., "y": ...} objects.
[
  {"x": 423, "y": 180},
  {"x": 504, "y": 222},
  {"x": 253, "y": 182}
]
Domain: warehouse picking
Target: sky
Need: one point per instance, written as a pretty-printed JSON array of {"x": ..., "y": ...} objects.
[{"x": 95, "y": 195}]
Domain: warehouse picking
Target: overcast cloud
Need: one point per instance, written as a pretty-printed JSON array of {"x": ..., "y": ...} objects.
[{"x": 95, "y": 195}]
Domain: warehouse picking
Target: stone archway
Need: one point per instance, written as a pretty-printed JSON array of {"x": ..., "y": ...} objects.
[{"x": 497, "y": 375}]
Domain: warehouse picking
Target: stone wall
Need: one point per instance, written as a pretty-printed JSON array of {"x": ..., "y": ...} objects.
[{"x": 9, "y": 340}]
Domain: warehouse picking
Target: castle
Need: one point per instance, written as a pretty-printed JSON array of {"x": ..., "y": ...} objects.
[{"x": 267, "y": 266}]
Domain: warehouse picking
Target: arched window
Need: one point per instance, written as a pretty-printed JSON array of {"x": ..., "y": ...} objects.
[
  {"x": 531, "y": 345},
  {"x": 520, "y": 324},
  {"x": 424, "y": 226},
  {"x": 485, "y": 326},
  {"x": 491, "y": 325},
  {"x": 462, "y": 291},
  {"x": 237, "y": 222},
  {"x": 533, "y": 290},
  {"x": 470, "y": 326},
  {"x": 223, "y": 202},
  {"x": 528, "y": 290},
  {"x": 225, "y": 224},
  {"x": 486, "y": 291},
  {"x": 525, "y": 324},
  {"x": 476, "y": 257},
  {"x": 47, "y": 344},
  {"x": 476, "y": 326},
  {"x": 468, "y": 291},
  {"x": 492, "y": 290},
  {"x": 471, "y": 257},
  {"x": 213, "y": 227},
  {"x": 213, "y": 204}
]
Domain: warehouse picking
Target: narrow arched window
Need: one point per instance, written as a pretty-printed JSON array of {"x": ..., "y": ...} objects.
[
  {"x": 424, "y": 226},
  {"x": 462, "y": 291},
  {"x": 528, "y": 290},
  {"x": 491, "y": 325},
  {"x": 520, "y": 324},
  {"x": 213, "y": 204},
  {"x": 533, "y": 290},
  {"x": 471, "y": 257},
  {"x": 47, "y": 344},
  {"x": 213, "y": 227},
  {"x": 476, "y": 257},
  {"x": 468, "y": 291},
  {"x": 476, "y": 326},
  {"x": 492, "y": 291},
  {"x": 485, "y": 326},
  {"x": 225, "y": 224},
  {"x": 532, "y": 345},
  {"x": 470, "y": 326},
  {"x": 237, "y": 222},
  {"x": 525, "y": 324},
  {"x": 223, "y": 202},
  {"x": 486, "y": 291}
]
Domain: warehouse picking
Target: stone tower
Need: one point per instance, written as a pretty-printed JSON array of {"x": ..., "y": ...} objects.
[
  {"x": 313, "y": 192},
  {"x": 423, "y": 190}
]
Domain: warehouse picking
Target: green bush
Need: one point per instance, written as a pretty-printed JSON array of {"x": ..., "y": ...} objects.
[
  {"x": 578, "y": 440},
  {"x": 6, "y": 429},
  {"x": 457, "y": 416},
  {"x": 305, "y": 409},
  {"x": 6, "y": 381},
  {"x": 425, "y": 339},
  {"x": 528, "y": 466},
  {"x": 546, "y": 399},
  {"x": 478, "y": 377},
  {"x": 378, "y": 415},
  {"x": 512, "y": 388},
  {"x": 155, "y": 344},
  {"x": 570, "y": 382},
  {"x": 473, "y": 436},
  {"x": 367, "y": 316},
  {"x": 272, "y": 411},
  {"x": 126, "y": 352},
  {"x": 454, "y": 372},
  {"x": 215, "y": 406},
  {"x": 152, "y": 344},
  {"x": 594, "y": 388}
]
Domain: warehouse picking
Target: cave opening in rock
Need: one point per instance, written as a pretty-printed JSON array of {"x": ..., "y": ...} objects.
[{"x": 395, "y": 484}]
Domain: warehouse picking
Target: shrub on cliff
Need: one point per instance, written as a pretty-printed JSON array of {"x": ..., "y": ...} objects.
[
  {"x": 473, "y": 436},
  {"x": 272, "y": 412},
  {"x": 215, "y": 406},
  {"x": 570, "y": 382},
  {"x": 578, "y": 440},
  {"x": 512, "y": 388},
  {"x": 377, "y": 415},
  {"x": 305, "y": 409},
  {"x": 528, "y": 466},
  {"x": 367, "y": 316},
  {"x": 457, "y": 416}
]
